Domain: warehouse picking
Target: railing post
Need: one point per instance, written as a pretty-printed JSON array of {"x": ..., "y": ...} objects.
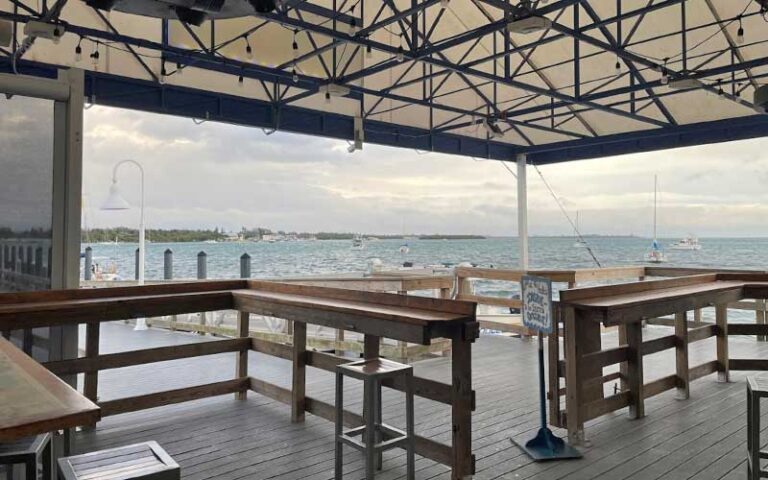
[
  {"x": 136, "y": 265},
  {"x": 299, "y": 377},
  {"x": 553, "y": 353},
  {"x": 245, "y": 266},
  {"x": 87, "y": 273},
  {"x": 697, "y": 317},
  {"x": 38, "y": 262},
  {"x": 681, "y": 356},
  {"x": 168, "y": 264},
  {"x": 461, "y": 405},
  {"x": 241, "y": 361},
  {"x": 202, "y": 266},
  {"x": 573, "y": 385},
  {"x": 760, "y": 316},
  {"x": 202, "y": 273},
  {"x": 635, "y": 369},
  {"x": 721, "y": 319},
  {"x": 91, "y": 379}
]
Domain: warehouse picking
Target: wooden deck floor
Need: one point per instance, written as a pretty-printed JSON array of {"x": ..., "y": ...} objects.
[{"x": 701, "y": 438}]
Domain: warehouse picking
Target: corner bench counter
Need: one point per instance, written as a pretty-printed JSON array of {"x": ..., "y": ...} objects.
[
  {"x": 375, "y": 315},
  {"x": 582, "y": 310}
]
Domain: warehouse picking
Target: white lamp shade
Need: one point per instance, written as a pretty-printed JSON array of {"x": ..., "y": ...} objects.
[{"x": 115, "y": 201}]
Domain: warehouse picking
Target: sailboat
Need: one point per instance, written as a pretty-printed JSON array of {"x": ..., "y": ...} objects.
[
  {"x": 579, "y": 242},
  {"x": 655, "y": 255}
]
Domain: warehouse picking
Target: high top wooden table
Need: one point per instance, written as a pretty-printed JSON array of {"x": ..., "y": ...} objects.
[
  {"x": 626, "y": 306},
  {"x": 33, "y": 400}
]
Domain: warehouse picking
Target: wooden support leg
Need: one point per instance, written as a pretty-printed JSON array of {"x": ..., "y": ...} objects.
[
  {"x": 721, "y": 319},
  {"x": 461, "y": 408},
  {"x": 681, "y": 356},
  {"x": 241, "y": 360},
  {"x": 635, "y": 369},
  {"x": 27, "y": 341},
  {"x": 760, "y": 316},
  {"x": 573, "y": 386},
  {"x": 91, "y": 379},
  {"x": 299, "y": 358},
  {"x": 623, "y": 365}
]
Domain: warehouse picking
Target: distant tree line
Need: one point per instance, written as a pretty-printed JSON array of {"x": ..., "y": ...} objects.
[
  {"x": 124, "y": 234},
  {"x": 8, "y": 232}
]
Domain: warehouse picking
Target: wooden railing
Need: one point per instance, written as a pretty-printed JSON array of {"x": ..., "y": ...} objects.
[
  {"x": 26, "y": 311},
  {"x": 513, "y": 324},
  {"x": 626, "y": 306},
  {"x": 438, "y": 286},
  {"x": 25, "y": 264}
]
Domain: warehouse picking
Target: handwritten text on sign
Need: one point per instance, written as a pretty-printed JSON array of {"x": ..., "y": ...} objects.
[{"x": 537, "y": 303}]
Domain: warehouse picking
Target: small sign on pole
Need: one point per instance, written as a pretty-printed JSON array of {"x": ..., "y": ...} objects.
[{"x": 536, "y": 298}]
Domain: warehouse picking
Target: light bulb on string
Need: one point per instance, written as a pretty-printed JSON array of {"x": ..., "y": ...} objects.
[
  {"x": 248, "y": 49},
  {"x": 95, "y": 56},
  {"x": 179, "y": 69},
  {"x": 294, "y": 75},
  {"x": 295, "y": 46},
  {"x": 327, "y": 98},
  {"x": 665, "y": 73},
  {"x": 79, "y": 50},
  {"x": 400, "y": 52},
  {"x": 368, "y": 52},
  {"x": 617, "y": 67},
  {"x": 240, "y": 81},
  {"x": 740, "y": 33}
]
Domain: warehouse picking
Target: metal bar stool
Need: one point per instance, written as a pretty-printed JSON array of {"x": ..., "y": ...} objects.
[
  {"x": 757, "y": 388},
  {"x": 377, "y": 436},
  {"x": 30, "y": 452}
]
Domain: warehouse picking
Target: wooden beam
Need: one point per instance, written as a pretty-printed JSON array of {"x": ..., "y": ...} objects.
[
  {"x": 152, "y": 400},
  {"x": 681, "y": 356},
  {"x": 241, "y": 360},
  {"x": 721, "y": 319},
  {"x": 141, "y": 357},
  {"x": 635, "y": 369},
  {"x": 461, "y": 408},
  {"x": 299, "y": 371}
]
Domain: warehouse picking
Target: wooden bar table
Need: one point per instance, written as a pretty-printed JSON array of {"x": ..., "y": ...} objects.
[
  {"x": 626, "y": 306},
  {"x": 34, "y": 401}
]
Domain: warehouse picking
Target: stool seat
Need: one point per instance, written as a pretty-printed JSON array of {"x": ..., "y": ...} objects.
[
  {"x": 28, "y": 451},
  {"x": 374, "y": 435},
  {"x": 140, "y": 461},
  {"x": 373, "y": 367}
]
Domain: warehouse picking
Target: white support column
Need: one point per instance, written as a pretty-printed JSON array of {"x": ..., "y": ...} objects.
[{"x": 522, "y": 211}]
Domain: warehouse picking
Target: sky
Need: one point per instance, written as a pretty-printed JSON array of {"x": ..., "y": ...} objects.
[{"x": 218, "y": 175}]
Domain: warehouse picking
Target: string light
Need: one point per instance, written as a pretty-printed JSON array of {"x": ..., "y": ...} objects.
[
  {"x": 240, "y": 81},
  {"x": 617, "y": 67},
  {"x": 327, "y": 98},
  {"x": 179, "y": 69},
  {"x": 295, "y": 75},
  {"x": 368, "y": 52},
  {"x": 95, "y": 55},
  {"x": 79, "y": 50},
  {"x": 665, "y": 73},
  {"x": 248, "y": 48},
  {"x": 740, "y": 33},
  {"x": 400, "y": 53},
  {"x": 295, "y": 46},
  {"x": 720, "y": 91}
]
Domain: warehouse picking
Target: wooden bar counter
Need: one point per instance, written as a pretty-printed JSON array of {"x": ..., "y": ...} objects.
[
  {"x": 375, "y": 315},
  {"x": 625, "y": 306}
]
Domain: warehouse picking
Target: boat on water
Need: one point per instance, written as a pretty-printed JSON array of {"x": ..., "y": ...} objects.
[
  {"x": 655, "y": 255},
  {"x": 357, "y": 242},
  {"x": 688, "y": 243},
  {"x": 404, "y": 248}
]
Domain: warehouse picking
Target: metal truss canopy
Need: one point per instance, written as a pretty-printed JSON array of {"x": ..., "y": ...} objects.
[{"x": 454, "y": 77}]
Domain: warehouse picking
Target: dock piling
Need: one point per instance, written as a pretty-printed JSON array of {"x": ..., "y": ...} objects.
[
  {"x": 202, "y": 266},
  {"x": 87, "y": 273},
  {"x": 168, "y": 264},
  {"x": 245, "y": 266}
]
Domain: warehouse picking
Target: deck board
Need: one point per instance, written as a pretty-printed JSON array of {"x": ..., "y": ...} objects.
[{"x": 701, "y": 438}]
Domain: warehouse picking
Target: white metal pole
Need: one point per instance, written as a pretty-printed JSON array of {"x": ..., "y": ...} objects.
[
  {"x": 522, "y": 211},
  {"x": 141, "y": 323}
]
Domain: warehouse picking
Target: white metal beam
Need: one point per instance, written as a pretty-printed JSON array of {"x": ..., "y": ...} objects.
[{"x": 522, "y": 211}]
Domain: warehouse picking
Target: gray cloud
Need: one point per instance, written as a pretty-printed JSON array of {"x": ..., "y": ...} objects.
[{"x": 223, "y": 175}]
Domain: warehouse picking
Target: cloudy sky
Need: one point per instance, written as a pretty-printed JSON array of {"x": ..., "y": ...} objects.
[{"x": 209, "y": 175}]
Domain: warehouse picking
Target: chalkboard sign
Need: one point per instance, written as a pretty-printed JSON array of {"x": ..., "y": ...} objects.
[{"x": 537, "y": 303}]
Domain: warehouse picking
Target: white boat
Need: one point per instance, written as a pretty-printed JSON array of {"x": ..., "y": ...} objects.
[
  {"x": 688, "y": 243},
  {"x": 656, "y": 255},
  {"x": 404, "y": 248},
  {"x": 357, "y": 242}
]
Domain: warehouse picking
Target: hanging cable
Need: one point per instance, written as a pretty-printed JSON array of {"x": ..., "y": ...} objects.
[{"x": 562, "y": 209}]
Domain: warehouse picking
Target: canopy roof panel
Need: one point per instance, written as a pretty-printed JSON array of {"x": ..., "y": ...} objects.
[{"x": 596, "y": 78}]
